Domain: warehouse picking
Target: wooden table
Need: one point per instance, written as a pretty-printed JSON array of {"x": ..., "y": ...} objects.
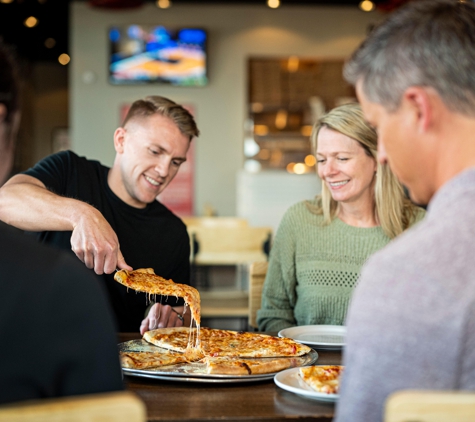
[{"x": 256, "y": 401}]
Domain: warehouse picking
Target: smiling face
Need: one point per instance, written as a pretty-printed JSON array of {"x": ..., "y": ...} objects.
[
  {"x": 150, "y": 151},
  {"x": 345, "y": 168}
]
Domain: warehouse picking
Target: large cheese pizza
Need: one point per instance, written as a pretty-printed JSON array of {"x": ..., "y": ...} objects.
[{"x": 221, "y": 351}]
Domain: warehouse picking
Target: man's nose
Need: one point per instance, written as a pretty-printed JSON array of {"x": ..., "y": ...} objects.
[
  {"x": 162, "y": 166},
  {"x": 382, "y": 157}
]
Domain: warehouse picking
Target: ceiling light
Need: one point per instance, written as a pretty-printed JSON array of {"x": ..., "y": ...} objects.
[
  {"x": 273, "y": 4},
  {"x": 6, "y": 1},
  {"x": 64, "y": 59},
  {"x": 50, "y": 42},
  {"x": 164, "y": 4},
  {"x": 30, "y": 22},
  {"x": 366, "y": 6}
]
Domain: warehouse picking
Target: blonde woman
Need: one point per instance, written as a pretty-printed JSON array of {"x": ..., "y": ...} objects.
[{"x": 321, "y": 245}]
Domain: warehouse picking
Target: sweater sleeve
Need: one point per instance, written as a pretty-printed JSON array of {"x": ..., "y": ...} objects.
[{"x": 278, "y": 296}]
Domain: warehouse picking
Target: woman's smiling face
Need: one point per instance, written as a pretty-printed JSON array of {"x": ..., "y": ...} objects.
[{"x": 345, "y": 167}]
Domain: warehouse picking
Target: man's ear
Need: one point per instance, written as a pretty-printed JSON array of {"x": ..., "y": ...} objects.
[
  {"x": 119, "y": 139},
  {"x": 420, "y": 100},
  {"x": 3, "y": 112}
]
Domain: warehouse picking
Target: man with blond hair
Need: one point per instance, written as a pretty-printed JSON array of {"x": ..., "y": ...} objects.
[{"x": 110, "y": 217}]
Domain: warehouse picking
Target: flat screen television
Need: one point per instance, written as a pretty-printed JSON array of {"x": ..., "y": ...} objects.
[{"x": 146, "y": 54}]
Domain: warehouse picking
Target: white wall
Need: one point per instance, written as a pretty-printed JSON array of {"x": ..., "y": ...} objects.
[{"x": 235, "y": 33}]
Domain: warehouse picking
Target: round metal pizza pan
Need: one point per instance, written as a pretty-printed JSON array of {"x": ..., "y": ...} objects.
[
  {"x": 193, "y": 370},
  {"x": 200, "y": 379}
]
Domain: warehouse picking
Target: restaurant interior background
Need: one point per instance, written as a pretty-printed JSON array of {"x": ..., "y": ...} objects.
[{"x": 270, "y": 73}]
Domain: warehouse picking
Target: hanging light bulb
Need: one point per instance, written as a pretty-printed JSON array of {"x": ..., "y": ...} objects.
[
  {"x": 64, "y": 59},
  {"x": 30, "y": 22},
  {"x": 366, "y": 5},
  {"x": 273, "y": 4},
  {"x": 164, "y": 4}
]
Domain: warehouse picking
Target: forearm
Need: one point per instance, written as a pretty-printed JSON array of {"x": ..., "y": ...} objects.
[{"x": 26, "y": 204}]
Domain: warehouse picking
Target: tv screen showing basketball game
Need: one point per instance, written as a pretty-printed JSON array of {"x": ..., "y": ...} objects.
[{"x": 147, "y": 54}]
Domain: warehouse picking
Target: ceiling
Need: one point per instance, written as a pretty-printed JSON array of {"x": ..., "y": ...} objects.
[{"x": 53, "y": 17}]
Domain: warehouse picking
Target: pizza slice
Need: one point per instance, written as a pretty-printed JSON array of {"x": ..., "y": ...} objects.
[
  {"x": 145, "y": 280},
  {"x": 145, "y": 360},
  {"x": 239, "y": 366},
  {"x": 322, "y": 378}
]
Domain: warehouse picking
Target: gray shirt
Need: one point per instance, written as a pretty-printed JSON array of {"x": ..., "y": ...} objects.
[{"x": 411, "y": 321}]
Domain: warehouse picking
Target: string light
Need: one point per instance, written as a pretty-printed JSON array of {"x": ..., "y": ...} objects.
[
  {"x": 164, "y": 4},
  {"x": 366, "y": 6},
  {"x": 64, "y": 59},
  {"x": 50, "y": 42},
  {"x": 31, "y": 22}
]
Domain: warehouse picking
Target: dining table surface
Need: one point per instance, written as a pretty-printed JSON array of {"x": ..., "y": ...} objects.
[{"x": 260, "y": 400}]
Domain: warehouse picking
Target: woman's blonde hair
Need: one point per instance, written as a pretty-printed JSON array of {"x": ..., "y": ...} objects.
[{"x": 392, "y": 209}]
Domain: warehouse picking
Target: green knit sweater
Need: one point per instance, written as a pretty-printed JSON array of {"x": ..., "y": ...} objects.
[{"x": 313, "y": 269}]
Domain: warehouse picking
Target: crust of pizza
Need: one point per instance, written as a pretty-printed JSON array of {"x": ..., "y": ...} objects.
[
  {"x": 238, "y": 366},
  {"x": 322, "y": 378},
  {"x": 144, "y": 360},
  {"x": 145, "y": 280},
  {"x": 220, "y": 343}
]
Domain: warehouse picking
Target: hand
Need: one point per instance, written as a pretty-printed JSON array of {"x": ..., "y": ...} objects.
[
  {"x": 95, "y": 243},
  {"x": 162, "y": 316}
]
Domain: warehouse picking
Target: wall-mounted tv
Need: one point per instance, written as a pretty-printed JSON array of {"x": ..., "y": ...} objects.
[{"x": 146, "y": 54}]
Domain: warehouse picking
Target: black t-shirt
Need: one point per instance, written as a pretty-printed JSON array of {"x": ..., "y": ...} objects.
[
  {"x": 56, "y": 339},
  {"x": 152, "y": 237}
]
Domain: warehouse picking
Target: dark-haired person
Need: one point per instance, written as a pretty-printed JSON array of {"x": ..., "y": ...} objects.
[
  {"x": 56, "y": 339},
  {"x": 110, "y": 217},
  {"x": 411, "y": 322}
]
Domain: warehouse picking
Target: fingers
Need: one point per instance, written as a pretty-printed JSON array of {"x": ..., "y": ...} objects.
[
  {"x": 96, "y": 244},
  {"x": 144, "y": 326},
  {"x": 161, "y": 316},
  {"x": 121, "y": 263}
]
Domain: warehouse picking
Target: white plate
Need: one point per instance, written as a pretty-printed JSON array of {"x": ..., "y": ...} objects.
[
  {"x": 328, "y": 337},
  {"x": 290, "y": 380}
]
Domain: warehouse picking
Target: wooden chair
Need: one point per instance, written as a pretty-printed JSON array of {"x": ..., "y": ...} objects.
[
  {"x": 230, "y": 245},
  {"x": 215, "y": 221},
  {"x": 122, "y": 406},
  {"x": 257, "y": 275},
  {"x": 193, "y": 224},
  {"x": 430, "y": 406}
]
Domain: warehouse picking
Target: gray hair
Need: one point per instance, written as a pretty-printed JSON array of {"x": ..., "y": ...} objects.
[{"x": 425, "y": 43}]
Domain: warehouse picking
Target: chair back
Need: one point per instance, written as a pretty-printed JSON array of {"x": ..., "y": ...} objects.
[
  {"x": 257, "y": 275},
  {"x": 215, "y": 221},
  {"x": 230, "y": 245},
  {"x": 121, "y": 406},
  {"x": 430, "y": 406}
]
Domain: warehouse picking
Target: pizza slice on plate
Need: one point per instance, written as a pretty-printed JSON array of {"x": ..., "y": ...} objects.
[{"x": 322, "y": 378}]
